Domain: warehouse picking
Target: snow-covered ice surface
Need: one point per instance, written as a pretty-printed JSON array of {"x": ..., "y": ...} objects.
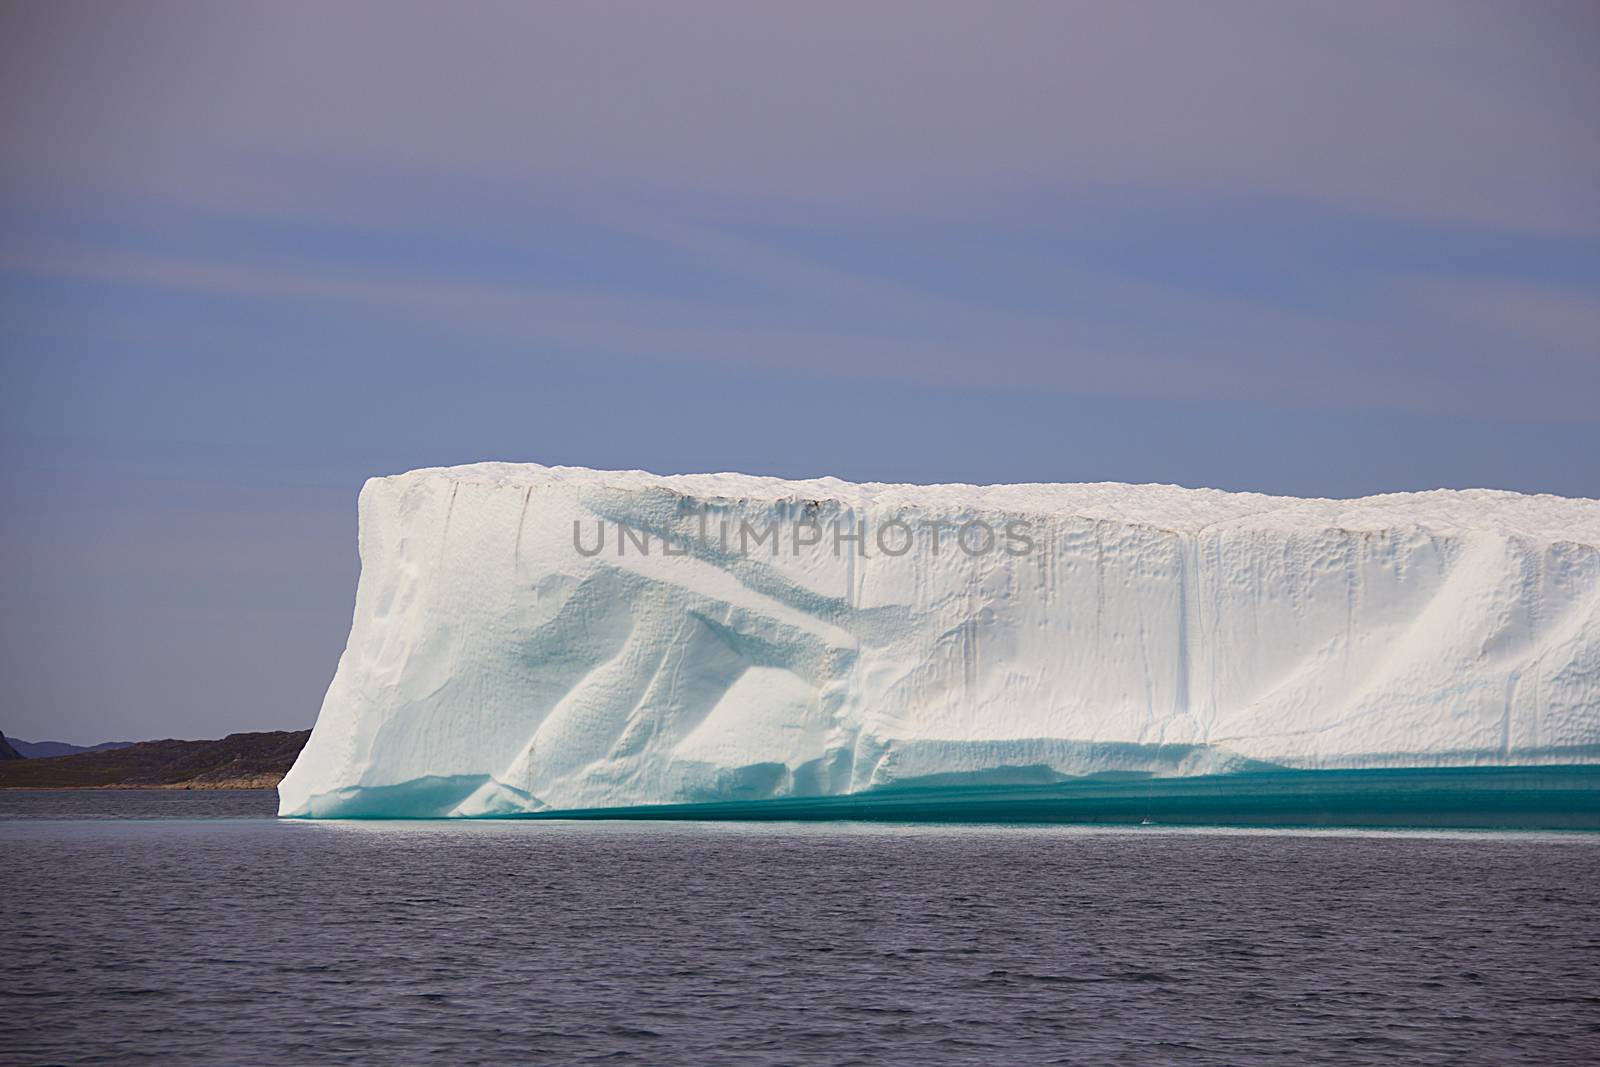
[{"x": 494, "y": 668}]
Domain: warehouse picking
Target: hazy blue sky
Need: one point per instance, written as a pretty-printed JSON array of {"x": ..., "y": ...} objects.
[{"x": 254, "y": 253}]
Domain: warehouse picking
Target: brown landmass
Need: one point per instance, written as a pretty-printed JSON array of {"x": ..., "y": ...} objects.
[{"x": 238, "y": 761}]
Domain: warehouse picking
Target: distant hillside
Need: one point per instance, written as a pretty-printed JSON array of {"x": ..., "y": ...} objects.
[
  {"x": 237, "y": 761},
  {"x": 46, "y": 749},
  {"x": 6, "y": 751}
]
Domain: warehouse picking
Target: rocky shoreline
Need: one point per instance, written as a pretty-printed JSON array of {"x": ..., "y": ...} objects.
[
  {"x": 238, "y": 761},
  {"x": 259, "y": 782}
]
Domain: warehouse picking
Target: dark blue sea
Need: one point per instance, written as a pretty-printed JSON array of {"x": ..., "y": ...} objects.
[{"x": 178, "y": 927}]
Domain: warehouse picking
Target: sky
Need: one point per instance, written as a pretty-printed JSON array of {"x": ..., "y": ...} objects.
[{"x": 254, "y": 254}]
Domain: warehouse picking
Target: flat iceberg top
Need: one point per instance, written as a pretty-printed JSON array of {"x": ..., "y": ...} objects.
[{"x": 1542, "y": 517}]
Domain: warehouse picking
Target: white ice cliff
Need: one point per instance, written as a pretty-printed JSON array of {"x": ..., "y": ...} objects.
[{"x": 863, "y": 636}]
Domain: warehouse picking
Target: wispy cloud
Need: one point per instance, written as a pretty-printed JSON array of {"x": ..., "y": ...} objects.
[
  {"x": 1539, "y": 322},
  {"x": 1105, "y": 335}
]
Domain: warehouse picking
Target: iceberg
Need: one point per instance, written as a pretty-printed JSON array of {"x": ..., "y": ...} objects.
[{"x": 532, "y": 639}]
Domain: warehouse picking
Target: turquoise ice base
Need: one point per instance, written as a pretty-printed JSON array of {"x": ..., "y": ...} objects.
[{"x": 1527, "y": 798}]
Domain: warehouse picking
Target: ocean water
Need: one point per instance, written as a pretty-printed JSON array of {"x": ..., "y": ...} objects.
[{"x": 173, "y": 927}]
